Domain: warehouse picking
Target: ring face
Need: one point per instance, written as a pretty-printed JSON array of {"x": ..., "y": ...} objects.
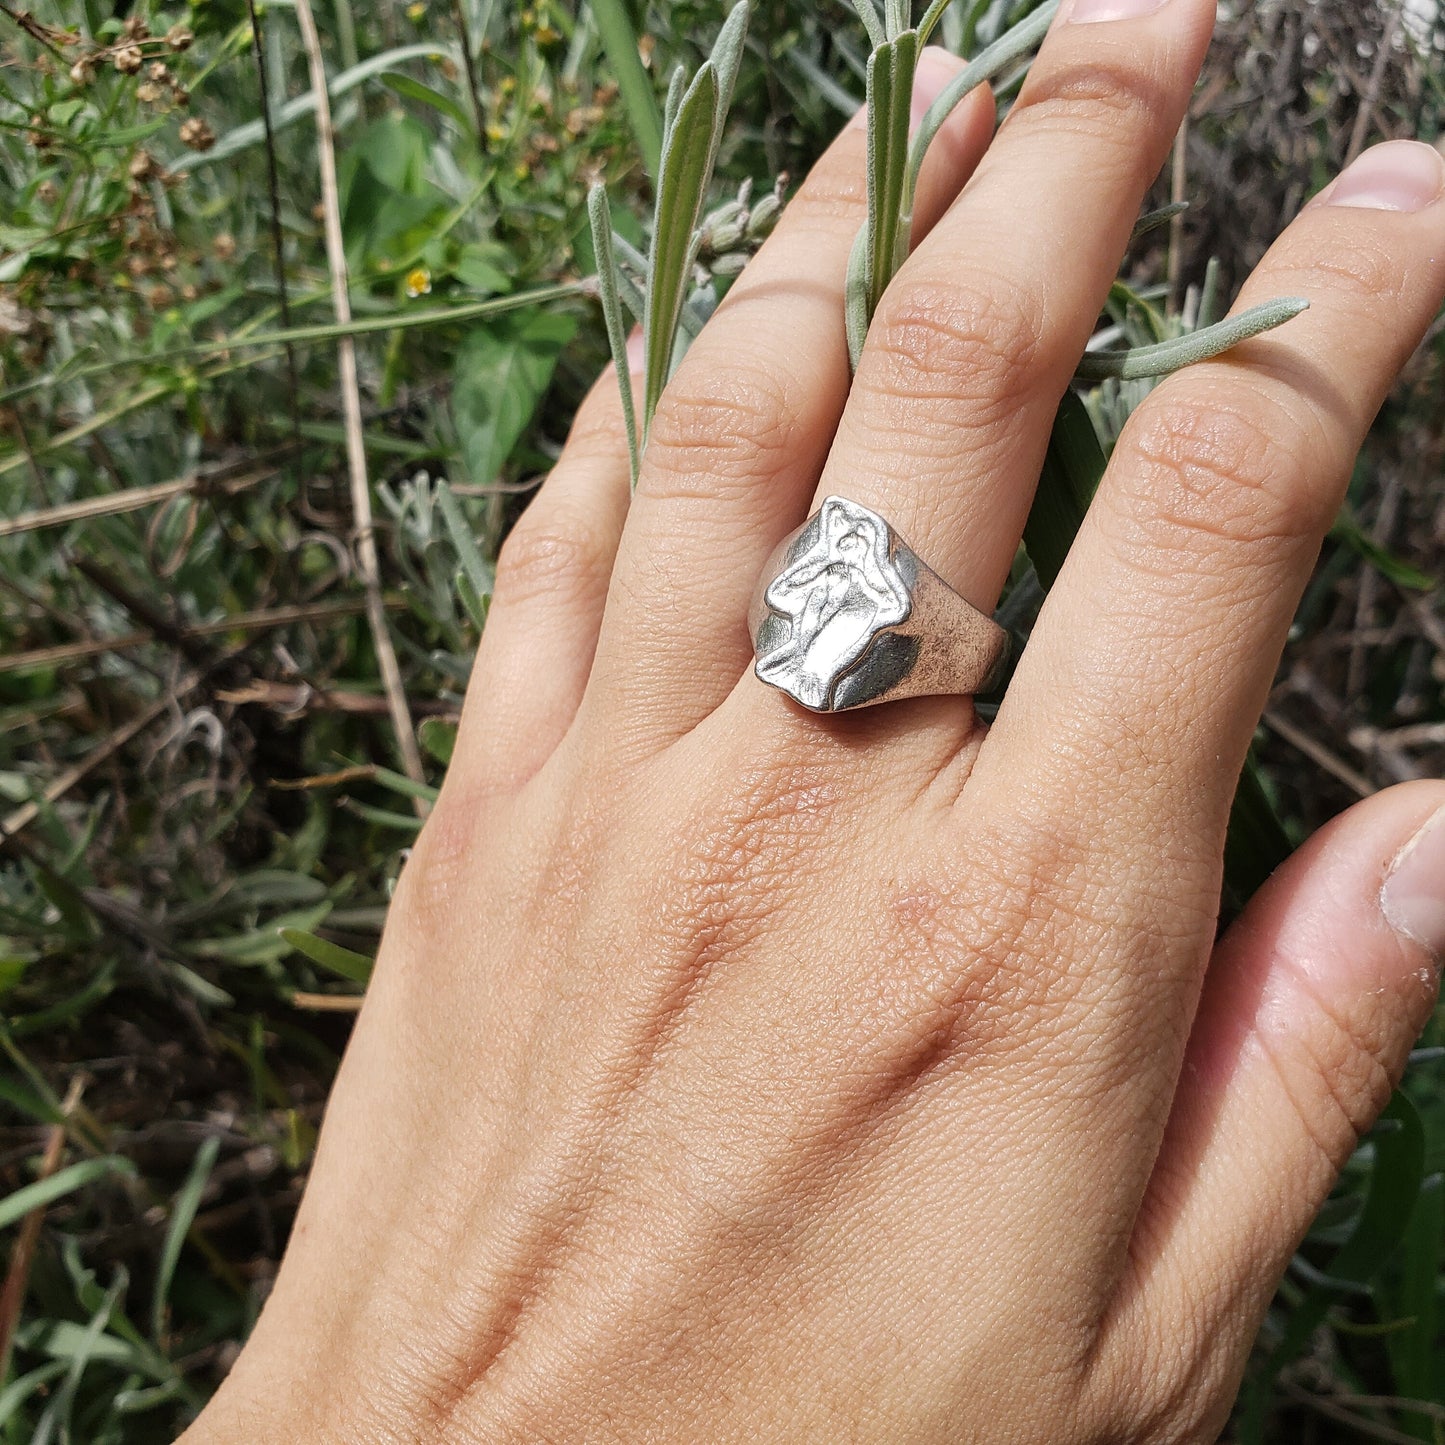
[{"x": 847, "y": 615}]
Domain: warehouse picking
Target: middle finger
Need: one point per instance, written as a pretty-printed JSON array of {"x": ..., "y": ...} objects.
[{"x": 974, "y": 343}]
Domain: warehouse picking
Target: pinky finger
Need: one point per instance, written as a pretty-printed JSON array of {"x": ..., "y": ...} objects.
[{"x": 552, "y": 578}]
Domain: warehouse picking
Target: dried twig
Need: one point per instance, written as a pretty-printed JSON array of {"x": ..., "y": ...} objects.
[
  {"x": 328, "y": 1003},
  {"x": 22, "y": 1253},
  {"x": 1322, "y": 1405},
  {"x": 292, "y": 698},
  {"x": 367, "y": 562},
  {"x": 273, "y": 186},
  {"x": 1371, "y": 98},
  {"x": 469, "y": 59},
  {"x": 1335, "y": 766},
  {"x": 23, "y": 816},
  {"x": 260, "y": 621},
  {"x": 132, "y": 499}
]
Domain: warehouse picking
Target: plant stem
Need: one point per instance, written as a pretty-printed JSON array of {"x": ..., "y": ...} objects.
[
  {"x": 273, "y": 187},
  {"x": 368, "y": 565}
]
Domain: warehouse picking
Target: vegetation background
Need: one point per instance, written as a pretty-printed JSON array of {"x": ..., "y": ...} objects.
[{"x": 203, "y": 802}]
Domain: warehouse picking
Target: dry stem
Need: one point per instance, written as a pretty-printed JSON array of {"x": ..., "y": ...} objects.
[{"x": 366, "y": 556}]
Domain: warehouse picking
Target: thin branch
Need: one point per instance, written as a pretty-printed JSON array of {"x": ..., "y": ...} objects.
[
  {"x": 1335, "y": 766},
  {"x": 1326, "y": 1407},
  {"x": 259, "y": 621},
  {"x": 366, "y": 555},
  {"x": 332, "y": 1003},
  {"x": 273, "y": 186},
  {"x": 1179, "y": 197},
  {"x": 469, "y": 62},
  {"x": 34, "y": 29},
  {"x": 22, "y": 817},
  {"x": 1371, "y": 98},
  {"x": 131, "y": 499},
  {"x": 22, "y": 1254}
]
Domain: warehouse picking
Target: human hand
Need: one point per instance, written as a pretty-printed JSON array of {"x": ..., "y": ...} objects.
[{"x": 731, "y": 1072}]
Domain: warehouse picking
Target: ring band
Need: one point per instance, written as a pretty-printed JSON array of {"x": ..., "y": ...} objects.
[{"x": 846, "y": 614}]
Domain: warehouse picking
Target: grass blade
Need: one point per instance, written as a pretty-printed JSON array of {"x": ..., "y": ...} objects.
[
  {"x": 354, "y": 967},
  {"x": 183, "y": 1213},
  {"x": 15, "y": 1207},
  {"x": 599, "y": 215},
  {"x": 614, "y": 26},
  {"x": 867, "y": 12}
]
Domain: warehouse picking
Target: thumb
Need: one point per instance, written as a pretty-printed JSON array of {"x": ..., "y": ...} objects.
[{"x": 1312, "y": 1002}]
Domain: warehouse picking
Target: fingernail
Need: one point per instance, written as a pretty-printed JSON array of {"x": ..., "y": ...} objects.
[
  {"x": 1087, "y": 12},
  {"x": 1413, "y": 897},
  {"x": 936, "y": 67},
  {"x": 636, "y": 350},
  {"x": 1401, "y": 175}
]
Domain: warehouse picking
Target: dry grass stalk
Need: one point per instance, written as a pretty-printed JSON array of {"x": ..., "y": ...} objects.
[
  {"x": 259, "y": 621},
  {"x": 132, "y": 499},
  {"x": 22, "y": 1253},
  {"x": 366, "y": 556},
  {"x": 23, "y": 816}
]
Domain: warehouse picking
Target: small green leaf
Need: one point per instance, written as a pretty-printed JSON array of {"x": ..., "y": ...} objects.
[
  {"x": 867, "y": 12},
  {"x": 427, "y": 95},
  {"x": 44, "y": 1192},
  {"x": 480, "y": 573},
  {"x": 1164, "y": 357},
  {"x": 500, "y": 375},
  {"x": 355, "y": 967},
  {"x": 439, "y": 738},
  {"x": 686, "y": 169},
  {"x": 1400, "y": 572},
  {"x": 890, "y": 91},
  {"x": 990, "y": 62},
  {"x": 183, "y": 1212}
]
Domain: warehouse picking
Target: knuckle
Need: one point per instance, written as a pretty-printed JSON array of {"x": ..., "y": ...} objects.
[
  {"x": 933, "y": 341},
  {"x": 1105, "y": 105},
  {"x": 719, "y": 426},
  {"x": 1226, "y": 468},
  {"x": 1370, "y": 275},
  {"x": 552, "y": 552}
]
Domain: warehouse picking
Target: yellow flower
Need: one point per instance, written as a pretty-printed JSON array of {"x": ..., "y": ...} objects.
[
  {"x": 416, "y": 11},
  {"x": 418, "y": 282}
]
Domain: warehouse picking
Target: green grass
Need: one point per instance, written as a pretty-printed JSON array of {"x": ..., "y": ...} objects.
[{"x": 202, "y": 804}]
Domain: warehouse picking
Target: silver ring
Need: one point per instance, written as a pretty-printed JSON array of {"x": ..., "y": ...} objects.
[{"x": 846, "y": 614}]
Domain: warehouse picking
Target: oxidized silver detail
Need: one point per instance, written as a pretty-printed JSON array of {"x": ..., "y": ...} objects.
[{"x": 847, "y": 615}]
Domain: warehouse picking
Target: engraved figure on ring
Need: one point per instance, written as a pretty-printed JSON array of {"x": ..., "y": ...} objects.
[{"x": 838, "y": 595}]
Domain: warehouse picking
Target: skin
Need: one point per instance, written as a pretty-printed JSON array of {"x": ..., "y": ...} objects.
[{"x": 732, "y": 1073}]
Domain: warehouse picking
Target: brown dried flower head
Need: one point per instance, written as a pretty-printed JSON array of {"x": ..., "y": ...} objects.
[
  {"x": 128, "y": 59},
  {"x": 196, "y": 134},
  {"x": 180, "y": 37}
]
